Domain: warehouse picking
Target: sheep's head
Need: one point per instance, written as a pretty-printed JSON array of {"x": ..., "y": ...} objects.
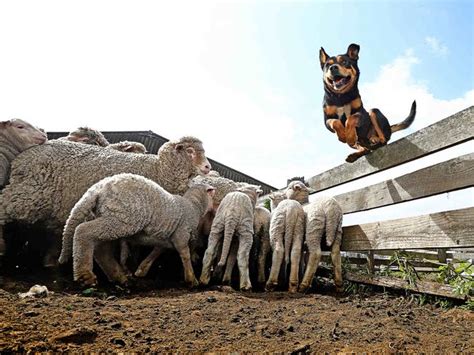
[
  {"x": 22, "y": 134},
  {"x": 209, "y": 190},
  {"x": 129, "y": 147},
  {"x": 275, "y": 198},
  {"x": 194, "y": 149},
  {"x": 298, "y": 191},
  {"x": 87, "y": 135},
  {"x": 252, "y": 191}
]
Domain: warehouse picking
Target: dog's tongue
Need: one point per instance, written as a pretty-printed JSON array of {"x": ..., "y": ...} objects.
[{"x": 339, "y": 81}]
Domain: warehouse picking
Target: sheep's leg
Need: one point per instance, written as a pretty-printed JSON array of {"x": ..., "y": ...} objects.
[
  {"x": 336, "y": 263},
  {"x": 262, "y": 258},
  {"x": 295, "y": 263},
  {"x": 311, "y": 267},
  {"x": 277, "y": 258},
  {"x": 210, "y": 254},
  {"x": 229, "y": 267},
  {"x": 124, "y": 255},
  {"x": 146, "y": 264},
  {"x": 83, "y": 254},
  {"x": 105, "y": 258},
  {"x": 54, "y": 249},
  {"x": 2, "y": 243},
  {"x": 245, "y": 244},
  {"x": 180, "y": 242}
]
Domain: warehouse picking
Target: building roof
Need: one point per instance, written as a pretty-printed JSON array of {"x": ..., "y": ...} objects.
[{"x": 153, "y": 142}]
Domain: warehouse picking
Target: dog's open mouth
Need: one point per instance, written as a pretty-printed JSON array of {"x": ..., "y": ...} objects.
[{"x": 338, "y": 82}]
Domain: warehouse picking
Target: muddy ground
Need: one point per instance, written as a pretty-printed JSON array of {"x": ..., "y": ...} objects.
[{"x": 157, "y": 317}]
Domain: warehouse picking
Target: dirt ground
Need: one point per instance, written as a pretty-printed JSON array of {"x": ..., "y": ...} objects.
[{"x": 171, "y": 318}]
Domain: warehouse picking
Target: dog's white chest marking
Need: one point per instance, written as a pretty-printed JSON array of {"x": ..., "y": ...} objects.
[{"x": 346, "y": 109}]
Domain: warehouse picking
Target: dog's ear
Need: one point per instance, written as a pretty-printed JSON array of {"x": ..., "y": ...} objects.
[
  {"x": 353, "y": 51},
  {"x": 323, "y": 57}
]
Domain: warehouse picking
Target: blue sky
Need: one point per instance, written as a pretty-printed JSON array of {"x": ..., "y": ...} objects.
[{"x": 243, "y": 76}]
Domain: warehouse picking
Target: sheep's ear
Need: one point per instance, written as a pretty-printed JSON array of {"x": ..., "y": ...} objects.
[
  {"x": 297, "y": 187},
  {"x": 353, "y": 51},
  {"x": 179, "y": 146},
  {"x": 128, "y": 148},
  {"x": 323, "y": 57},
  {"x": 5, "y": 124},
  {"x": 211, "y": 191}
]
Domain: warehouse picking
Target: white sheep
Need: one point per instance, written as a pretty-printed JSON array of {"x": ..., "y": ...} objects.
[
  {"x": 323, "y": 218},
  {"x": 87, "y": 135},
  {"x": 128, "y": 205},
  {"x": 47, "y": 189},
  {"x": 222, "y": 186},
  {"x": 128, "y": 147},
  {"x": 235, "y": 215},
  {"x": 260, "y": 247},
  {"x": 16, "y": 136},
  {"x": 286, "y": 239}
]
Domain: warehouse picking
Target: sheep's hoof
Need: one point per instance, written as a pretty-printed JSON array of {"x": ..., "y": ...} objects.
[
  {"x": 303, "y": 288},
  {"x": 193, "y": 283},
  {"x": 246, "y": 288},
  {"x": 87, "y": 279},
  {"x": 204, "y": 280},
  {"x": 269, "y": 287},
  {"x": 140, "y": 272},
  {"x": 218, "y": 272},
  {"x": 293, "y": 289}
]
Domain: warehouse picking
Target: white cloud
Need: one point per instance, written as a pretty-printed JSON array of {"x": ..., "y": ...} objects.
[
  {"x": 394, "y": 89},
  {"x": 436, "y": 46}
]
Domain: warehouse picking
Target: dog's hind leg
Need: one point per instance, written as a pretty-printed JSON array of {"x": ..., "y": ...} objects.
[
  {"x": 375, "y": 123},
  {"x": 361, "y": 151}
]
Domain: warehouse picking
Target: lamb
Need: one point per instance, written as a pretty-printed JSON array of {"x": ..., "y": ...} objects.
[
  {"x": 223, "y": 186},
  {"x": 129, "y": 205},
  {"x": 87, "y": 135},
  {"x": 323, "y": 217},
  {"x": 286, "y": 238},
  {"x": 128, "y": 147},
  {"x": 235, "y": 215},
  {"x": 16, "y": 136},
  {"x": 260, "y": 247},
  {"x": 62, "y": 171}
]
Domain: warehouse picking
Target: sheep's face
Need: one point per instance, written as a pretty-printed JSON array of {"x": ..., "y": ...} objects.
[
  {"x": 25, "y": 134},
  {"x": 211, "y": 192},
  {"x": 196, "y": 153},
  {"x": 87, "y": 135},
  {"x": 275, "y": 199},
  {"x": 297, "y": 191},
  {"x": 252, "y": 191}
]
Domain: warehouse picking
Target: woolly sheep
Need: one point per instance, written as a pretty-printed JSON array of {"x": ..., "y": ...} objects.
[
  {"x": 128, "y": 147},
  {"x": 62, "y": 172},
  {"x": 286, "y": 238},
  {"x": 297, "y": 191},
  {"x": 260, "y": 247},
  {"x": 235, "y": 215},
  {"x": 128, "y": 205},
  {"x": 86, "y": 135},
  {"x": 16, "y": 136},
  {"x": 323, "y": 217},
  {"x": 222, "y": 186}
]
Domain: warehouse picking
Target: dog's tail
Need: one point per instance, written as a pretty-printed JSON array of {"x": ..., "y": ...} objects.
[{"x": 407, "y": 121}]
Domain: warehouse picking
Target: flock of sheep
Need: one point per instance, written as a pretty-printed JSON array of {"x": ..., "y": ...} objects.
[{"x": 99, "y": 200}]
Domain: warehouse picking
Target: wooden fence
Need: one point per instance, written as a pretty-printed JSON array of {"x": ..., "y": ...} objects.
[{"x": 448, "y": 230}]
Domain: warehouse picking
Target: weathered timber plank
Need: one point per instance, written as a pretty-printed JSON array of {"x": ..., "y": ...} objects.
[
  {"x": 450, "y": 131},
  {"x": 431, "y": 288},
  {"x": 450, "y": 229},
  {"x": 447, "y": 176}
]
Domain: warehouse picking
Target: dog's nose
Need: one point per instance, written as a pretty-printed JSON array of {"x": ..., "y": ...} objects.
[{"x": 333, "y": 68}]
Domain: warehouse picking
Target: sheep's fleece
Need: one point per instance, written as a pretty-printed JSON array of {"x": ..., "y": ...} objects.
[{"x": 46, "y": 181}]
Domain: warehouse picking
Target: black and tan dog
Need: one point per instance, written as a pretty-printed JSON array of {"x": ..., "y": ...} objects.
[{"x": 344, "y": 113}]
